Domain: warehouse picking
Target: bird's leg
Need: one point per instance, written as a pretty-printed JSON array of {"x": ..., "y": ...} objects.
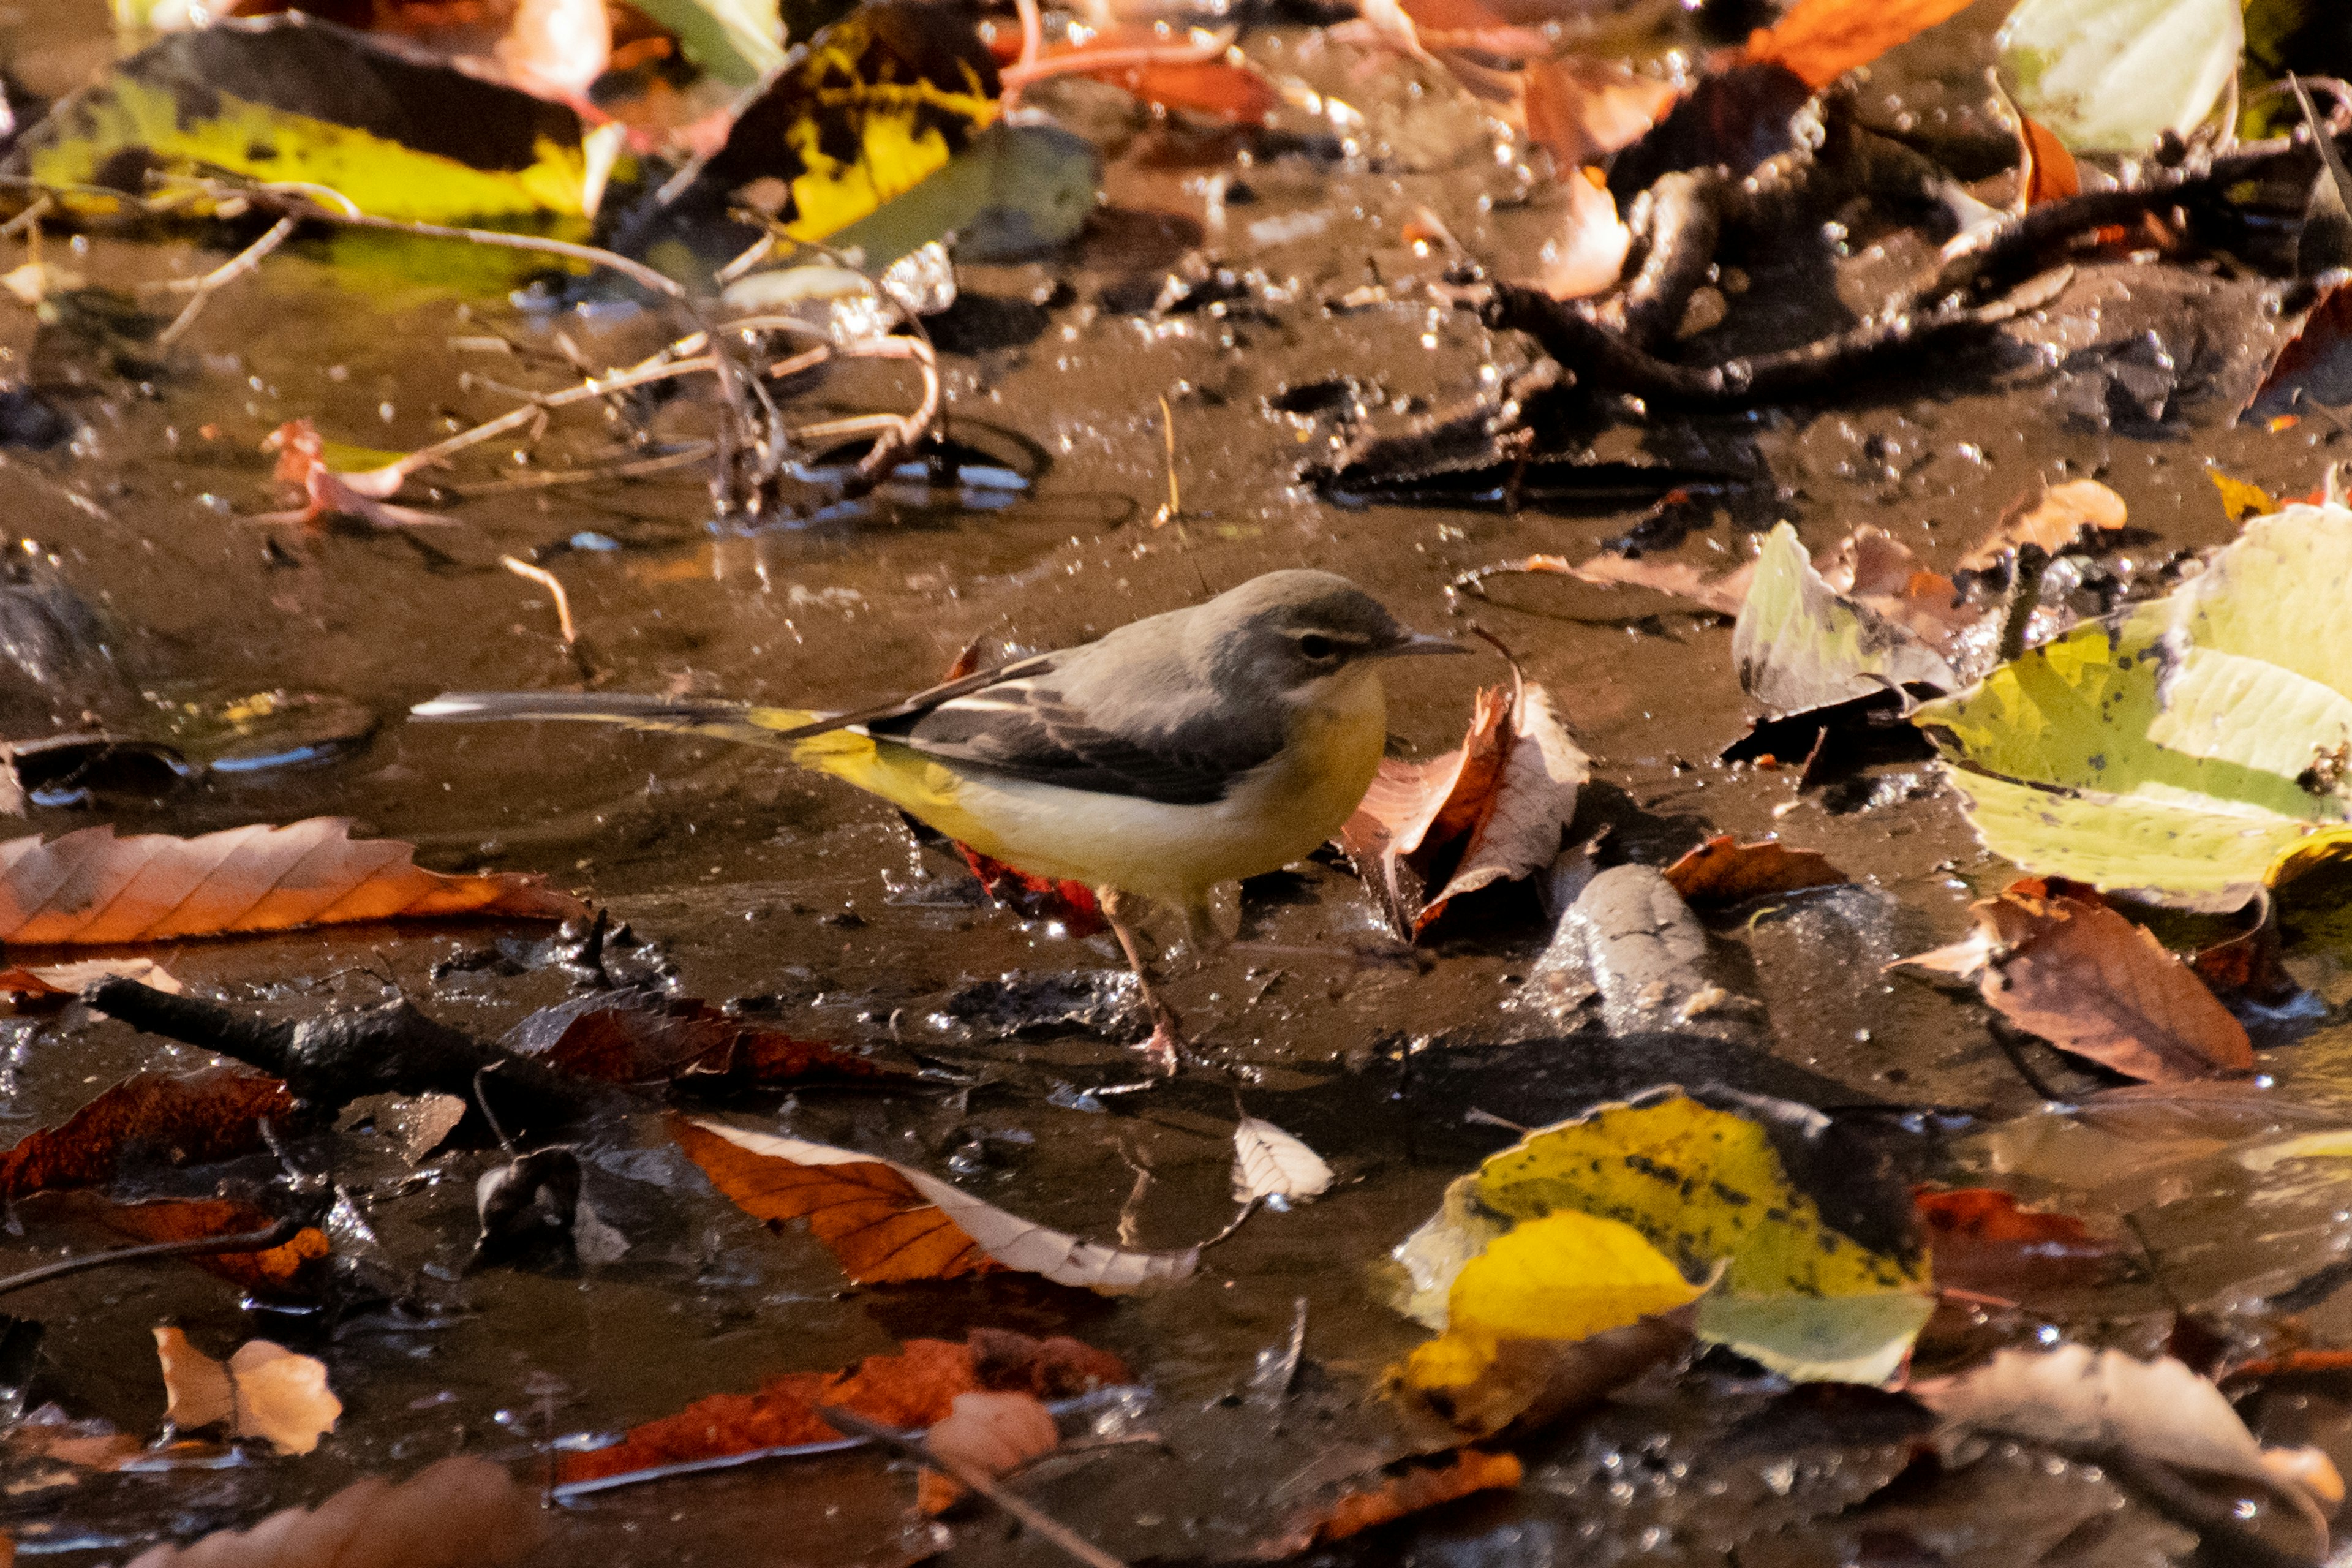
[{"x": 1166, "y": 1029}]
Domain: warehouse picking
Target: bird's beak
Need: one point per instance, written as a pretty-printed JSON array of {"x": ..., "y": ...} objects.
[{"x": 1420, "y": 643}]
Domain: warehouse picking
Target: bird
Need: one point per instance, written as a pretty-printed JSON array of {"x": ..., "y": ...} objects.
[{"x": 1170, "y": 755}]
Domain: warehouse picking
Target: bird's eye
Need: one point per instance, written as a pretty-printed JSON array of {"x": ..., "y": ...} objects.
[{"x": 1317, "y": 647}]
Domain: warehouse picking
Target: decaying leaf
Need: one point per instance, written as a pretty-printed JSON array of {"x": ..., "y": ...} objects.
[
  {"x": 329, "y": 492},
  {"x": 1821, "y": 40},
  {"x": 463, "y": 1512},
  {"x": 2046, "y": 171},
  {"x": 1986, "y": 1240},
  {"x": 262, "y": 1391},
  {"x": 2060, "y": 518},
  {"x": 1723, "y": 592},
  {"x": 1725, "y": 871},
  {"x": 889, "y": 1222},
  {"x": 1799, "y": 644},
  {"x": 989, "y": 1432},
  {"x": 914, "y": 1389},
  {"x": 289, "y": 1271},
  {"x": 1487, "y": 1388},
  {"x": 1391, "y": 1494},
  {"x": 1505, "y": 798},
  {"x": 2177, "y": 750},
  {"x": 213, "y": 1113},
  {"x": 73, "y": 979},
  {"x": 2312, "y": 361},
  {"x": 1581, "y": 108},
  {"x": 2082, "y": 977},
  {"x": 1070, "y": 905},
  {"x": 1271, "y": 1164},
  {"x": 89, "y": 886},
  {"x": 637, "y": 1036},
  {"x": 2242, "y": 499}
]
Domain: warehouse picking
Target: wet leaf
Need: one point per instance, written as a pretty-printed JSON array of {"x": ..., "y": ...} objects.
[
  {"x": 262, "y": 1391},
  {"x": 1582, "y": 110},
  {"x": 290, "y": 98},
  {"x": 73, "y": 979},
  {"x": 737, "y": 41},
  {"x": 462, "y": 1513},
  {"x": 1722, "y": 592},
  {"x": 1986, "y": 1240},
  {"x": 1271, "y": 1164},
  {"x": 642, "y": 1036},
  {"x": 2242, "y": 499},
  {"x": 290, "y": 1271},
  {"x": 1821, "y": 40},
  {"x": 2179, "y": 749},
  {"x": 885, "y": 1222},
  {"x": 1799, "y": 644},
  {"x": 1014, "y": 193},
  {"x": 914, "y": 1389},
  {"x": 1724, "y": 870},
  {"x": 2082, "y": 977},
  {"x": 991, "y": 1433},
  {"x": 1221, "y": 89},
  {"x": 1534, "y": 799},
  {"x": 213, "y": 1113},
  {"x": 327, "y": 492},
  {"x": 1485, "y": 1386},
  {"x": 1070, "y": 905},
  {"x": 2110, "y": 76},
  {"x": 1389, "y": 1495},
  {"x": 1864, "y": 1337},
  {"x": 2312, "y": 360},
  {"x": 2065, "y": 515},
  {"x": 1586, "y": 255},
  {"x": 2048, "y": 169},
  {"x": 91, "y": 886}
]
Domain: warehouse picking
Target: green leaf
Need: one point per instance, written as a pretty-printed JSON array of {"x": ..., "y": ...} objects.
[
  {"x": 1820, "y": 1339},
  {"x": 1799, "y": 644},
  {"x": 2111, "y": 76},
  {"x": 291, "y": 98},
  {"x": 2169, "y": 753},
  {"x": 737, "y": 41}
]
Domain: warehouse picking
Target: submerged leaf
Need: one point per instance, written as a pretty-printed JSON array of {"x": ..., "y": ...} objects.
[
  {"x": 1385, "y": 1496},
  {"x": 213, "y": 1113},
  {"x": 1724, "y": 870},
  {"x": 1271, "y": 1164}
]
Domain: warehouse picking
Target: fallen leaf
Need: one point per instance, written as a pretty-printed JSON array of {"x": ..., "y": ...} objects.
[
  {"x": 1532, "y": 802},
  {"x": 213, "y": 1113},
  {"x": 2082, "y": 977},
  {"x": 2181, "y": 750},
  {"x": 1878, "y": 572},
  {"x": 1986, "y": 1240},
  {"x": 2312, "y": 359},
  {"x": 2056, "y": 523},
  {"x": 1723, "y": 870},
  {"x": 290, "y": 1271},
  {"x": 415, "y": 1124},
  {"x": 73, "y": 979},
  {"x": 1271, "y": 1164},
  {"x": 1799, "y": 644},
  {"x": 1509, "y": 1386},
  {"x": 1070, "y": 905},
  {"x": 328, "y": 493},
  {"x": 1821, "y": 40},
  {"x": 1391, "y": 1494},
  {"x": 1722, "y": 592},
  {"x": 2109, "y": 77},
  {"x": 262, "y": 1391},
  {"x": 641, "y": 1036},
  {"x": 1586, "y": 255},
  {"x": 887, "y": 1222},
  {"x": 914, "y": 1389},
  {"x": 1413, "y": 805},
  {"x": 1221, "y": 89},
  {"x": 2047, "y": 170},
  {"x": 2083, "y": 1400},
  {"x": 1581, "y": 108},
  {"x": 89, "y": 886},
  {"x": 2241, "y": 498},
  {"x": 462, "y": 1513},
  {"x": 991, "y": 1433}
]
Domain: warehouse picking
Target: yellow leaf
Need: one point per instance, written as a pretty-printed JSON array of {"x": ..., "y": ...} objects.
[
  {"x": 1563, "y": 1277},
  {"x": 2239, "y": 499}
]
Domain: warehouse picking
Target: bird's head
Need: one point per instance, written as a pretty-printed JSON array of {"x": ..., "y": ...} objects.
[{"x": 1290, "y": 630}]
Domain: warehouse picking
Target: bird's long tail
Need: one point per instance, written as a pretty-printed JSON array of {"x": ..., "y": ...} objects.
[{"x": 741, "y": 721}]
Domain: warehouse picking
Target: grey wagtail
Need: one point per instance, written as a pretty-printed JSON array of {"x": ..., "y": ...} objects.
[{"x": 1175, "y": 753}]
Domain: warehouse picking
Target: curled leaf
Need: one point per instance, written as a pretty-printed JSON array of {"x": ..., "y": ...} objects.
[{"x": 1271, "y": 1164}]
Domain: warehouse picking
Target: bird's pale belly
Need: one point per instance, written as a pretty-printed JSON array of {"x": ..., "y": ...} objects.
[{"x": 1281, "y": 812}]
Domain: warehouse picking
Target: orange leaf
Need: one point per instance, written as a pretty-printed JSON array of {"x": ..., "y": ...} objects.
[
  {"x": 72, "y": 979},
  {"x": 876, "y": 1223},
  {"x": 1218, "y": 87},
  {"x": 214, "y": 1113},
  {"x": 1384, "y": 1497},
  {"x": 328, "y": 492},
  {"x": 1723, "y": 870},
  {"x": 915, "y": 1388},
  {"x": 2088, "y": 981},
  {"x": 288, "y": 1271},
  {"x": 2058, "y": 519},
  {"x": 91, "y": 886},
  {"x": 991, "y": 1433},
  {"x": 1724, "y": 593},
  {"x": 1821, "y": 40},
  {"x": 2049, "y": 168},
  {"x": 1985, "y": 1239},
  {"x": 632, "y": 1036},
  {"x": 1070, "y": 905},
  {"x": 1431, "y": 803},
  {"x": 1583, "y": 109}
]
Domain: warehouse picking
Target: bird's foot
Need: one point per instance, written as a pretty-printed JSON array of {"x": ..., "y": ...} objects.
[{"x": 1165, "y": 1050}]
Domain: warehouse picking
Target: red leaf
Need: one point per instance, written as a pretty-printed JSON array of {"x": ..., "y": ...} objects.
[
  {"x": 1071, "y": 905},
  {"x": 214, "y": 1113}
]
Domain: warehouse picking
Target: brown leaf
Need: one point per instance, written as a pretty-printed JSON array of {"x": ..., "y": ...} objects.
[
  {"x": 884, "y": 1222},
  {"x": 1531, "y": 806},
  {"x": 1821, "y": 40},
  {"x": 1529, "y": 1383},
  {"x": 1433, "y": 802},
  {"x": 1583, "y": 108},
  {"x": 91, "y": 886},
  {"x": 1723, "y": 593},
  {"x": 636, "y": 1036},
  {"x": 462, "y": 1513},
  {"x": 289, "y": 1271},
  {"x": 2310, "y": 358},
  {"x": 1983, "y": 1239},
  {"x": 262, "y": 1391},
  {"x": 991, "y": 1433},
  {"x": 2047, "y": 167},
  {"x": 1723, "y": 870},
  {"x": 213, "y": 1113},
  {"x": 2088, "y": 981},
  {"x": 1071, "y": 905},
  {"x": 1878, "y": 571},
  {"x": 72, "y": 979},
  {"x": 1385, "y": 1496},
  {"x": 2057, "y": 521},
  {"x": 914, "y": 1389},
  {"x": 328, "y": 493}
]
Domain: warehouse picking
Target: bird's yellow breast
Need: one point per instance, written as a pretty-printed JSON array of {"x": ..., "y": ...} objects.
[{"x": 1278, "y": 812}]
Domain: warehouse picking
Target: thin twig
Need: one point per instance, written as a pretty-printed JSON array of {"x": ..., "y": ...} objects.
[
  {"x": 277, "y": 1234},
  {"x": 553, "y": 585},
  {"x": 1173, "y": 507},
  {"x": 975, "y": 1480},
  {"x": 42, "y": 206},
  {"x": 636, "y": 468}
]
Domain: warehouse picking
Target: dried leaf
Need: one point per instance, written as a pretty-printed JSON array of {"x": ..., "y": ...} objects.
[
  {"x": 262, "y": 1391},
  {"x": 91, "y": 886},
  {"x": 213, "y": 1113},
  {"x": 2058, "y": 521},
  {"x": 289, "y": 1271},
  {"x": 301, "y": 461},
  {"x": 1723, "y": 870},
  {"x": 1821, "y": 40},
  {"x": 1723, "y": 593},
  {"x": 642, "y": 1036},
  {"x": 1271, "y": 1164},
  {"x": 462, "y": 1513},
  {"x": 1533, "y": 800},
  {"x": 1431, "y": 803},
  {"x": 991, "y": 1433},
  {"x": 1387, "y": 1495},
  {"x": 2088, "y": 981},
  {"x": 73, "y": 979},
  {"x": 1583, "y": 108},
  {"x": 887, "y": 1222},
  {"x": 1878, "y": 572},
  {"x": 914, "y": 1389}
]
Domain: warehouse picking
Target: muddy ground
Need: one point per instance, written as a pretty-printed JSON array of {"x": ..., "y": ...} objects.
[{"x": 810, "y": 906}]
